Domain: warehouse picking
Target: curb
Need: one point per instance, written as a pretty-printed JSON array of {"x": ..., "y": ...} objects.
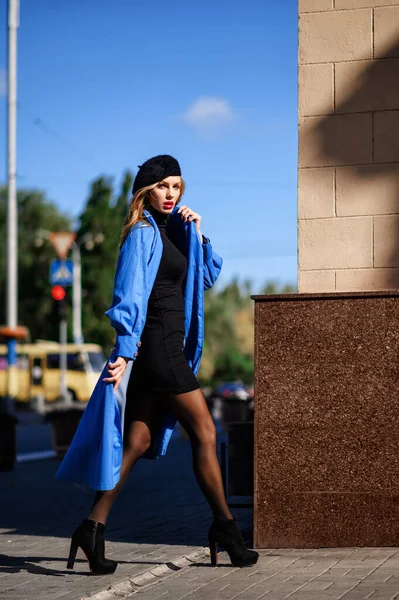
[
  {"x": 128, "y": 586},
  {"x": 31, "y": 456}
]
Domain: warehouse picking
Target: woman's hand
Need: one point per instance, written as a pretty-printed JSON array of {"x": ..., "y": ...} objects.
[
  {"x": 116, "y": 370},
  {"x": 189, "y": 215}
]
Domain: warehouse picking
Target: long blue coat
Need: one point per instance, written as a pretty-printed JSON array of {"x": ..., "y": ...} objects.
[{"x": 94, "y": 457}]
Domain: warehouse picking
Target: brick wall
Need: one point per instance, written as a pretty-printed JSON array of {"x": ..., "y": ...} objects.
[{"x": 348, "y": 178}]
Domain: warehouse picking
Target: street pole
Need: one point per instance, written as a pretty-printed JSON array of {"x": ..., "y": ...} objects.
[
  {"x": 12, "y": 239},
  {"x": 63, "y": 359},
  {"x": 11, "y": 330},
  {"x": 77, "y": 295}
]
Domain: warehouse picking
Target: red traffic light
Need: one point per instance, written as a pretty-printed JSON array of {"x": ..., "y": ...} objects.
[{"x": 58, "y": 292}]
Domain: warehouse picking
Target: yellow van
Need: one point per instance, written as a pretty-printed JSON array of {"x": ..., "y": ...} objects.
[{"x": 39, "y": 370}]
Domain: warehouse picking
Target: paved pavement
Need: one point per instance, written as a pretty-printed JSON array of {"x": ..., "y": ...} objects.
[
  {"x": 159, "y": 519},
  {"x": 324, "y": 574}
]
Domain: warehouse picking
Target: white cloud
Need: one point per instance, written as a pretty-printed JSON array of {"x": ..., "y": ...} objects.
[
  {"x": 3, "y": 82},
  {"x": 208, "y": 113}
]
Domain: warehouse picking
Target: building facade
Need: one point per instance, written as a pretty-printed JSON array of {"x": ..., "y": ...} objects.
[{"x": 348, "y": 170}]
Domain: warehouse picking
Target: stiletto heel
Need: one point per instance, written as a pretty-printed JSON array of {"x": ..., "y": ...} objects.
[
  {"x": 226, "y": 533},
  {"x": 213, "y": 547},
  {"x": 72, "y": 554},
  {"x": 89, "y": 536}
]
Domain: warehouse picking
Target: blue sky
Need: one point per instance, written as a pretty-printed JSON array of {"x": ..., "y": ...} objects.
[{"x": 105, "y": 84}]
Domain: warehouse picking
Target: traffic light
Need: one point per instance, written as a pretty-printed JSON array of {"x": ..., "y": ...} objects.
[{"x": 58, "y": 293}]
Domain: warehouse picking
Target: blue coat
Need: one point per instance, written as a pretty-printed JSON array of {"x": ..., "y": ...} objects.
[{"x": 94, "y": 457}]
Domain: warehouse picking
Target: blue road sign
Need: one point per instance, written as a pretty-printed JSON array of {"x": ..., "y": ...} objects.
[{"x": 61, "y": 272}]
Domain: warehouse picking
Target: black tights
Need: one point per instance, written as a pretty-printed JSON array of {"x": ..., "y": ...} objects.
[{"x": 192, "y": 413}]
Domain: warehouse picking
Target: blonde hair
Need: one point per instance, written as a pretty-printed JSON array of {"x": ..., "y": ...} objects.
[{"x": 140, "y": 201}]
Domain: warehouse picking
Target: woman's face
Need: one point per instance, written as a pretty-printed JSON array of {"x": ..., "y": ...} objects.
[{"x": 164, "y": 197}]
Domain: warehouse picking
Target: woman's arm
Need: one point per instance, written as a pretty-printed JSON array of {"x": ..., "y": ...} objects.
[
  {"x": 212, "y": 261},
  {"x": 129, "y": 302},
  {"x": 212, "y": 264}
]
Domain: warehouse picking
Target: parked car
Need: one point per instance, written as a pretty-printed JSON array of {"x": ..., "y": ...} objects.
[
  {"x": 232, "y": 390},
  {"x": 231, "y": 402}
]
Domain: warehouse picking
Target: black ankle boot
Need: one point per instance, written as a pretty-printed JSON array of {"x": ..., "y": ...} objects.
[
  {"x": 226, "y": 533},
  {"x": 90, "y": 537}
]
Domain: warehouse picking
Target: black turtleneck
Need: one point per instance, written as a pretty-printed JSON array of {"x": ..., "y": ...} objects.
[
  {"x": 161, "y": 219},
  {"x": 165, "y": 311}
]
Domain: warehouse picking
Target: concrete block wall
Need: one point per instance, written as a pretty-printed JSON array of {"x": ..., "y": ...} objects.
[{"x": 348, "y": 178}]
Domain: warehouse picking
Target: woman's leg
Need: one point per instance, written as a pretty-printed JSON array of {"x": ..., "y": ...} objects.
[
  {"x": 144, "y": 423},
  {"x": 193, "y": 414}
]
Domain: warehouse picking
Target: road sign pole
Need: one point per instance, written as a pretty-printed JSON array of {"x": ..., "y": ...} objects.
[
  {"x": 63, "y": 360},
  {"x": 77, "y": 294}
]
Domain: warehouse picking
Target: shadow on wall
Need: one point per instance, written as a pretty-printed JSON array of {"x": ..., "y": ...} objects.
[{"x": 362, "y": 141}]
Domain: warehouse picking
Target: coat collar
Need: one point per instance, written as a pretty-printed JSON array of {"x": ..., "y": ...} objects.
[{"x": 175, "y": 220}]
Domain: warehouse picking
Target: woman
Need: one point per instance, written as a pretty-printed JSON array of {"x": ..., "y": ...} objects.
[{"x": 164, "y": 265}]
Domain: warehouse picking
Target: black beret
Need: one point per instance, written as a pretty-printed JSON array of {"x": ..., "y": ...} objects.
[{"x": 156, "y": 169}]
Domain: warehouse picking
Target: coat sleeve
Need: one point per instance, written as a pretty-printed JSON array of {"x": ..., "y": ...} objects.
[
  {"x": 130, "y": 295},
  {"x": 212, "y": 264}
]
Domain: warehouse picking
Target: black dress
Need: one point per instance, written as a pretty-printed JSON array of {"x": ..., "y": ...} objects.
[{"x": 161, "y": 365}]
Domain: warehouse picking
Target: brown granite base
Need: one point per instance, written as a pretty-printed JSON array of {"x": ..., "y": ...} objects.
[{"x": 327, "y": 420}]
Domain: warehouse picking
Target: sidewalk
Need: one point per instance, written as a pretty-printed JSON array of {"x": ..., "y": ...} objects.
[
  {"x": 329, "y": 574},
  {"x": 159, "y": 518}
]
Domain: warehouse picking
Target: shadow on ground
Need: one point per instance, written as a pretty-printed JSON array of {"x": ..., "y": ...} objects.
[{"x": 161, "y": 505}]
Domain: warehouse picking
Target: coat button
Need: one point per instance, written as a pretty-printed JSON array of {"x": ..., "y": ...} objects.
[
  {"x": 136, "y": 354},
  {"x": 138, "y": 344}
]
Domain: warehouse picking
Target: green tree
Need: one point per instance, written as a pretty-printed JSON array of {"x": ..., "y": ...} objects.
[
  {"x": 229, "y": 330},
  {"x": 35, "y": 306},
  {"x": 273, "y": 287},
  {"x": 232, "y": 365}
]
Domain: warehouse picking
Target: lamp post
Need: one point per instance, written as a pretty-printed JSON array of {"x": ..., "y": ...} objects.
[
  {"x": 11, "y": 331},
  {"x": 12, "y": 292}
]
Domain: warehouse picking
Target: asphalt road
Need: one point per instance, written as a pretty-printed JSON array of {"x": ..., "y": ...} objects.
[{"x": 33, "y": 434}]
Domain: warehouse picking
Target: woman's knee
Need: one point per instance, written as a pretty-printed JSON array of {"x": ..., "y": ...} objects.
[
  {"x": 206, "y": 433},
  {"x": 137, "y": 445}
]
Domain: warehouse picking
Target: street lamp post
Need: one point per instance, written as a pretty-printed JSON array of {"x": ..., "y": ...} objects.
[
  {"x": 12, "y": 223},
  {"x": 12, "y": 292},
  {"x": 11, "y": 330}
]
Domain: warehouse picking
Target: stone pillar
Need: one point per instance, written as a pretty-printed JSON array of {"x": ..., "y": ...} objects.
[
  {"x": 326, "y": 420},
  {"x": 348, "y": 179}
]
